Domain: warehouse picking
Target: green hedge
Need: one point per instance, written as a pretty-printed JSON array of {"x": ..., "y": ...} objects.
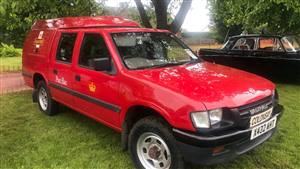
[{"x": 9, "y": 51}]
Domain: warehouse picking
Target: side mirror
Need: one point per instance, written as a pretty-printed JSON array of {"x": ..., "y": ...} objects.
[
  {"x": 199, "y": 53},
  {"x": 102, "y": 64}
]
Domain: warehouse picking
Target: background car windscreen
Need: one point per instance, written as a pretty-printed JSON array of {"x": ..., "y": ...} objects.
[{"x": 291, "y": 43}]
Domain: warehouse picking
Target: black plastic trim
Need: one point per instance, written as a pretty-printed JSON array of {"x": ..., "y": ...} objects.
[
  {"x": 199, "y": 149},
  {"x": 225, "y": 137},
  {"x": 212, "y": 138},
  {"x": 206, "y": 156},
  {"x": 99, "y": 102},
  {"x": 34, "y": 96}
]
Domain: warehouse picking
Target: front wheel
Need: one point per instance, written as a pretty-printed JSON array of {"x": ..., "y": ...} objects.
[{"x": 152, "y": 146}]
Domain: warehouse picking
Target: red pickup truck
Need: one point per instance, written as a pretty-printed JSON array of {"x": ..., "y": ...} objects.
[{"x": 169, "y": 105}]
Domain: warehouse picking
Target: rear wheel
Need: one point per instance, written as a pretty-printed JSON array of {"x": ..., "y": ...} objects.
[
  {"x": 152, "y": 146},
  {"x": 46, "y": 104}
]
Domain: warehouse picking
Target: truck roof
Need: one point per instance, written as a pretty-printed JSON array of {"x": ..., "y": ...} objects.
[
  {"x": 256, "y": 35},
  {"x": 84, "y": 22}
]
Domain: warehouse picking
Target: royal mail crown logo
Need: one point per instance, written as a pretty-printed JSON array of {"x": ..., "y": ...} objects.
[{"x": 92, "y": 87}]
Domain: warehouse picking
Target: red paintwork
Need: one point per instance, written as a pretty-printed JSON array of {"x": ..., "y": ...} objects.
[{"x": 173, "y": 92}]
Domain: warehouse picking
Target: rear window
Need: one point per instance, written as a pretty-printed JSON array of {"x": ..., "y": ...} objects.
[{"x": 65, "y": 47}]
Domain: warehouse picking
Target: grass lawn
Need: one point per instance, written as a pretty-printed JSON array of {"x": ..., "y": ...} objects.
[
  {"x": 14, "y": 63},
  {"x": 29, "y": 139}
]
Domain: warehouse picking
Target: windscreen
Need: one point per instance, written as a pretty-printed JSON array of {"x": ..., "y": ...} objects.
[
  {"x": 140, "y": 50},
  {"x": 291, "y": 43}
]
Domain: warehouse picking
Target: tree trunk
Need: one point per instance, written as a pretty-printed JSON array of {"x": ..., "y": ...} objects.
[
  {"x": 161, "y": 7},
  {"x": 143, "y": 14},
  {"x": 161, "y": 12},
  {"x": 179, "y": 18}
]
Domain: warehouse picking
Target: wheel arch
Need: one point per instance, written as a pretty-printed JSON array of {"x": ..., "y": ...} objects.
[
  {"x": 37, "y": 77},
  {"x": 136, "y": 112}
]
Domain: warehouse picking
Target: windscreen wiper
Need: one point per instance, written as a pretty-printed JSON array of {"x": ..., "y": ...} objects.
[{"x": 167, "y": 64}]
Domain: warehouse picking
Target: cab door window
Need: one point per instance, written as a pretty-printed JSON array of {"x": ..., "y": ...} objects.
[
  {"x": 65, "y": 47},
  {"x": 93, "y": 47},
  {"x": 244, "y": 44}
]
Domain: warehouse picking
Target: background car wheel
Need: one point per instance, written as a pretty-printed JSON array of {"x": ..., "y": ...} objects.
[
  {"x": 152, "y": 145},
  {"x": 46, "y": 104}
]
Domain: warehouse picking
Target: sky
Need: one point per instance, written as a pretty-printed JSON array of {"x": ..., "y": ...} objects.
[{"x": 197, "y": 19}]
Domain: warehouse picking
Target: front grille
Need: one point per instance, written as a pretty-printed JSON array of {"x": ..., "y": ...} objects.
[
  {"x": 244, "y": 113},
  {"x": 246, "y": 108}
]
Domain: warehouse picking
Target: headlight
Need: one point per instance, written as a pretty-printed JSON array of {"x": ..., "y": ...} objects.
[
  {"x": 207, "y": 118},
  {"x": 200, "y": 119},
  {"x": 215, "y": 116}
]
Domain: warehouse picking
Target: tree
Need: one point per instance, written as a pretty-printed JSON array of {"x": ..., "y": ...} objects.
[
  {"x": 162, "y": 13},
  {"x": 16, "y": 17},
  {"x": 129, "y": 11},
  {"x": 276, "y": 16},
  {"x": 220, "y": 28}
]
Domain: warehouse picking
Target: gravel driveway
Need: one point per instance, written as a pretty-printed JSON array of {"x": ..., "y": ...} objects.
[{"x": 12, "y": 82}]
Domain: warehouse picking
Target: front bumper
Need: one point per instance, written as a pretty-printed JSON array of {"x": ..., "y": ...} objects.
[{"x": 200, "y": 149}]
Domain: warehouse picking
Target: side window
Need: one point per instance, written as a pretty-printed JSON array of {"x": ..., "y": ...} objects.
[
  {"x": 269, "y": 44},
  {"x": 65, "y": 47},
  {"x": 244, "y": 44},
  {"x": 93, "y": 47}
]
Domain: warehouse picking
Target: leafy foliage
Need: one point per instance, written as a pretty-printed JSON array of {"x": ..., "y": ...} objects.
[
  {"x": 276, "y": 16},
  {"x": 219, "y": 27},
  {"x": 127, "y": 10},
  {"x": 145, "y": 12},
  {"x": 9, "y": 51},
  {"x": 17, "y": 16}
]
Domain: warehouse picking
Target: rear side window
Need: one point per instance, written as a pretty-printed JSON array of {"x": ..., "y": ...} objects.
[
  {"x": 93, "y": 47},
  {"x": 65, "y": 47},
  {"x": 269, "y": 44}
]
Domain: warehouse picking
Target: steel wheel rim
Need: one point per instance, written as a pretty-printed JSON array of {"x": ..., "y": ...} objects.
[
  {"x": 153, "y": 152},
  {"x": 43, "y": 98}
]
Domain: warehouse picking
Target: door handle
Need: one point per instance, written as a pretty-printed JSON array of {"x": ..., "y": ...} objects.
[
  {"x": 77, "y": 78},
  {"x": 55, "y": 71}
]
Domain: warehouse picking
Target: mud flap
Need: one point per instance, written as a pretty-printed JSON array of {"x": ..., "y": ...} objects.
[
  {"x": 34, "y": 95},
  {"x": 124, "y": 136}
]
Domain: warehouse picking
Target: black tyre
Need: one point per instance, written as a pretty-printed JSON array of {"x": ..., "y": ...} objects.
[
  {"x": 46, "y": 104},
  {"x": 152, "y": 145}
]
